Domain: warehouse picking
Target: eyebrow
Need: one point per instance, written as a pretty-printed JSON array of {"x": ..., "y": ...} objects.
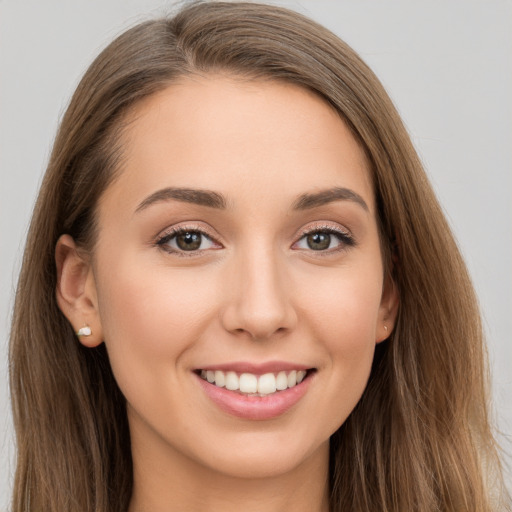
[
  {"x": 186, "y": 195},
  {"x": 213, "y": 199},
  {"x": 307, "y": 201}
]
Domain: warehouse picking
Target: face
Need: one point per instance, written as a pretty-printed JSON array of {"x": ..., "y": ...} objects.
[{"x": 237, "y": 277}]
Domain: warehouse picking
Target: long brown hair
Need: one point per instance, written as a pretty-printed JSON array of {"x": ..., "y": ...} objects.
[{"x": 419, "y": 439}]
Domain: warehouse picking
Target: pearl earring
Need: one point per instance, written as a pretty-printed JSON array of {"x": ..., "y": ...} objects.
[{"x": 84, "y": 331}]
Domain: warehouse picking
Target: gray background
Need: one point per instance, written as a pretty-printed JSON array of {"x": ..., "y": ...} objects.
[{"x": 446, "y": 64}]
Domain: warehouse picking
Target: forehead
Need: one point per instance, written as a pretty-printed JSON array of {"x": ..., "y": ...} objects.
[{"x": 239, "y": 137}]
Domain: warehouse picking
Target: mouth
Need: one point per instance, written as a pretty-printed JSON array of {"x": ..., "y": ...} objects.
[
  {"x": 251, "y": 384},
  {"x": 256, "y": 391}
]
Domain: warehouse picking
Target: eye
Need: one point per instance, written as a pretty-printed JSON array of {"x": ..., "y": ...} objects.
[
  {"x": 186, "y": 240},
  {"x": 324, "y": 239}
]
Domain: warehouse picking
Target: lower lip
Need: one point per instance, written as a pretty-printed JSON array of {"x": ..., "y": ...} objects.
[{"x": 255, "y": 407}]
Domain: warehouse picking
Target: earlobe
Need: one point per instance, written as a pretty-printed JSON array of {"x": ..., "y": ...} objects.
[
  {"x": 76, "y": 291},
  {"x": 388, "y": 310}
]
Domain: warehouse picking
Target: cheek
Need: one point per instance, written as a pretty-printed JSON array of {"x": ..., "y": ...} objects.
[
  {"x": 144, "y": 301},
  {"x": 149, "y": 317},
  {"x": 343, "y": 314},
  {"x": 345, "y": 307}
]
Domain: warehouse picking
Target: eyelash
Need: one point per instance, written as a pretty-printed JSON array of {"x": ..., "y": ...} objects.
[
  {"x": 346, "y": 240},
  {"x": 173, "y": 233}
]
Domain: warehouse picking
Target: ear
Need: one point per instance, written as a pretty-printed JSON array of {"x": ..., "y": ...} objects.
[
  {"x": 76, "y": 290},
  {"x": 388, "y": 310}
]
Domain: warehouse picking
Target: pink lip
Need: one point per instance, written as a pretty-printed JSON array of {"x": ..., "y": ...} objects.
[
  {"x": 255, "y": 407},
  {"x": 256, "y": 368}
]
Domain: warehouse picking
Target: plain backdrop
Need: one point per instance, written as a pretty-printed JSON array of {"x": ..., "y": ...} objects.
[{"x": 447, "y": 64}]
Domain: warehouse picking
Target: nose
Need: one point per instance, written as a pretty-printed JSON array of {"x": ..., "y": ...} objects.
[{"x": 259, "y": 301}]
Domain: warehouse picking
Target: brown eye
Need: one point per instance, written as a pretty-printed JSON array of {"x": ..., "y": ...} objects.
[
  {"x": 189, "y": 240},
  {"x": 327, "y": 240},
  {"x": 318, "y": 241}
]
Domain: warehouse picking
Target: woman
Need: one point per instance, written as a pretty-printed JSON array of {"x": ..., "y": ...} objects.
[{"x": 239, "y": 289}]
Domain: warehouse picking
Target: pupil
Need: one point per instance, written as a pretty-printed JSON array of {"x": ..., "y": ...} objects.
[
  {"x": 188, "y": 241},
  {"x": 319, "y": 241}
]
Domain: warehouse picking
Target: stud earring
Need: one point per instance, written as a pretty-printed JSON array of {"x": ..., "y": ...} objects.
[
  {"x": 386, "y": 328},
  {"x": 84, "y": 331}
]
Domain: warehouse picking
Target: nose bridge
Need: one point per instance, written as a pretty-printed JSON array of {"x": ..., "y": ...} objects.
[{"x": 261, "y": 303}]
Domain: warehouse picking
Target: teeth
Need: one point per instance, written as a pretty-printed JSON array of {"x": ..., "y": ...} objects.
[
  {"x": 248, "y": 383},
  {"x": 232, "y": 382},
  {"x": 220, "y": 379},
  {"x": 266, "y": 384},
  {"x": 253, "y": 384}
]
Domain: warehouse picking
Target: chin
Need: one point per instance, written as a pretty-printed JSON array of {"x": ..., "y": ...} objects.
[{"x": 265, "y": 456}]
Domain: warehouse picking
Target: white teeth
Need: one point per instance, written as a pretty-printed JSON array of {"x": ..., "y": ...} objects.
[
  {"x": 248, "y": 383},
  {"x": 232, "y": 382},
  {"x": 220, "y": 379},
  {"x": 253, "y": 384},
  {"x": 266, "y": 384},
  {"x": 281, "y": 381}
]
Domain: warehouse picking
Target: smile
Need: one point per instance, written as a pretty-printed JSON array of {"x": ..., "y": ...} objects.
[
  {"x": 254, "y": 385},
  {"x": 256, "y": 392}
]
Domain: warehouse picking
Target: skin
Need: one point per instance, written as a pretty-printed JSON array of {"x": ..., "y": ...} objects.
[{"x": 254, "y": 291}]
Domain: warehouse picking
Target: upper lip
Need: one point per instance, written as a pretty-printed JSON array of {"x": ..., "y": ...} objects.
[{"x": 256, "y": 368}]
